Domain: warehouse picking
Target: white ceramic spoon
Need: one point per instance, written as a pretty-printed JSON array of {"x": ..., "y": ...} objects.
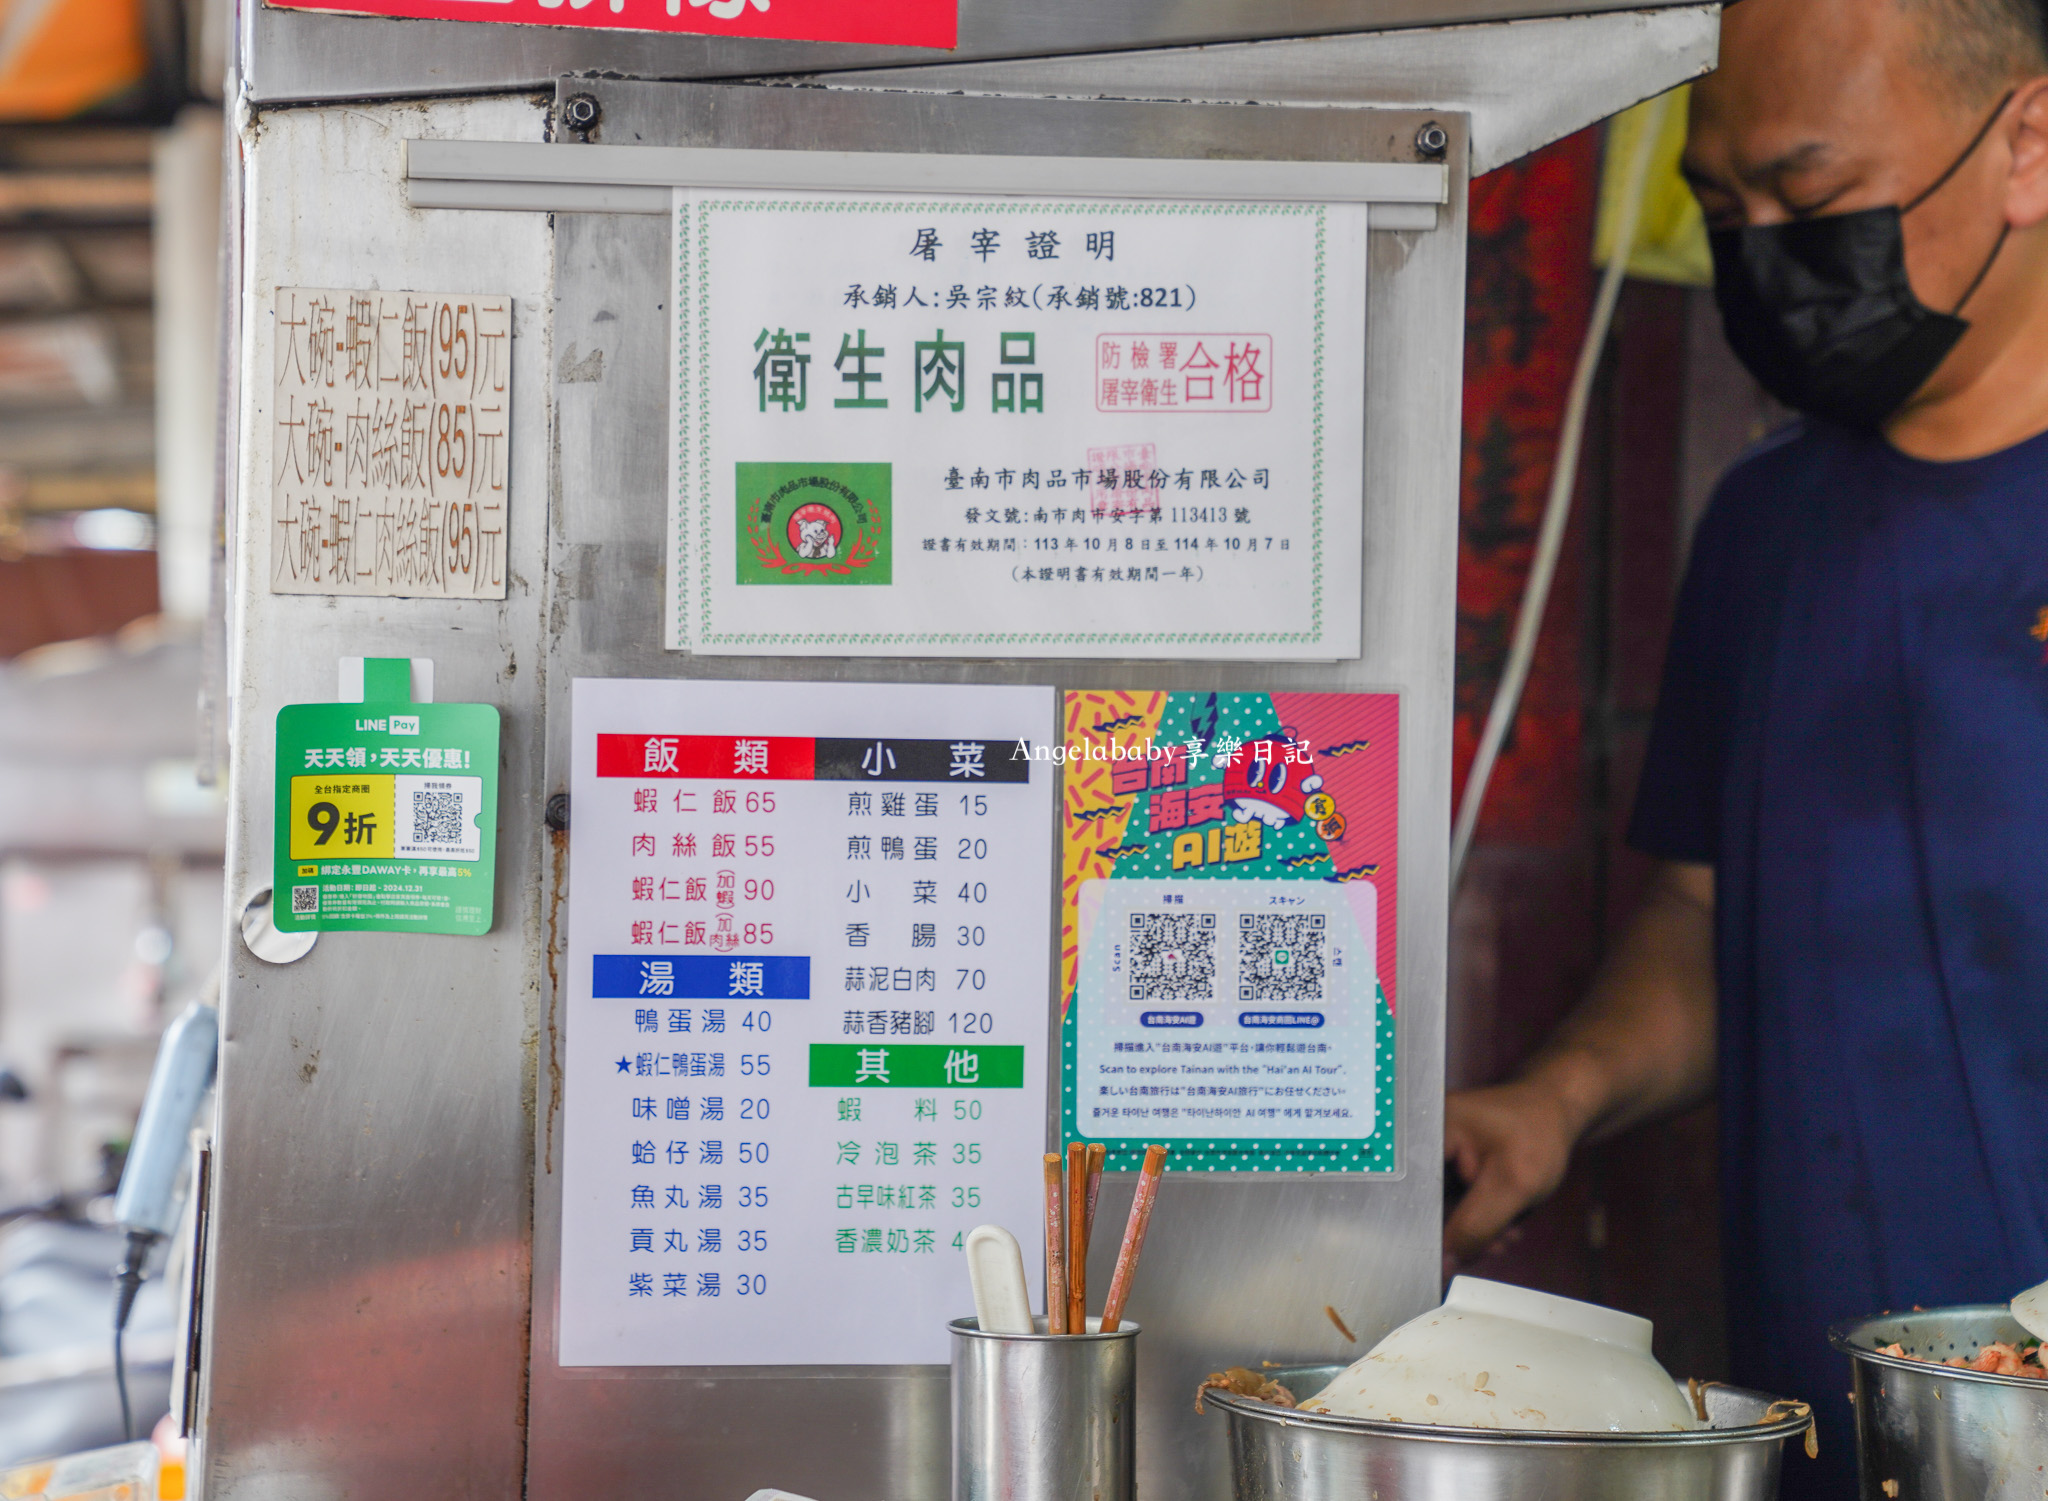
[
  {"x": 2031, "y": 1309},
  {"x": 995, "y": 1265}
]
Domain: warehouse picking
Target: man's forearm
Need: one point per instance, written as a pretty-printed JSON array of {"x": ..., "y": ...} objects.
[{"x": 1642, "y": 1042}]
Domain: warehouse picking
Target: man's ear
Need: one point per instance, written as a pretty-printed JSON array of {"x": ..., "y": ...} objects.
[{"x": 2026, "y": 193}]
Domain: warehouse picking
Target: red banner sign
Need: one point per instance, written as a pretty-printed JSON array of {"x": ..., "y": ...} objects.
[
  {"x": 779, "y": 757},
  {"x": 887, "y": 23}
]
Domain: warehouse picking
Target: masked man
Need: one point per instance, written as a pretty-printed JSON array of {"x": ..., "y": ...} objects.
[{"x": 1847, "y": 784}]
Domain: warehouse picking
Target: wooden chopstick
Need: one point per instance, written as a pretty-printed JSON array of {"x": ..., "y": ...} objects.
[
  {"x": 1134, "y": 1239},
  {"x": 1096, "y": 1152},
  {"x": 1077, "y": 1238},
  {"x": 1055, "y": 1247}
]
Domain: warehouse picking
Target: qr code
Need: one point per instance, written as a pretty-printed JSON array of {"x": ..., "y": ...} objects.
[
  {"x": 1280, "y": 957},
  {"x": 305, "y": 901},
  {"x": 1173, "y": 956},
  {"x": 436, "y": 817}
]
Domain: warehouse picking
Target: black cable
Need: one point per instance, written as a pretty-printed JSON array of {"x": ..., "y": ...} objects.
[
  {"x": 128, "y": 1282},
  {"x": 121, "y": 1386}
]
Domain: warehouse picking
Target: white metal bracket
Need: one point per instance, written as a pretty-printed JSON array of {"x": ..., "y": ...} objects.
[{"x": 638, "y": 179}]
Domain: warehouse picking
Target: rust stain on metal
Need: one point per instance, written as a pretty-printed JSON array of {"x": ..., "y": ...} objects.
[{"x": 558, "y": 860}]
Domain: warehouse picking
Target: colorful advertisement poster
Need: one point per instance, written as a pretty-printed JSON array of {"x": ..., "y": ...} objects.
[
  {"x": 883, "y": 23},
  {"x": 805, "y": 1006},
  {"x": 1228, "y": 889},
  {"x": 386, "y": 812},
  {"x": 1018, "y": 427}
]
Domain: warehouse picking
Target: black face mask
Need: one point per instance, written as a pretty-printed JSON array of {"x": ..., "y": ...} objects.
[{"x": 1822, "y": 312}]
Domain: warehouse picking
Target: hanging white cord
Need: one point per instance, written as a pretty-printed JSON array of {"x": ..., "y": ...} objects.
[{"x": 1557, "y": 508}]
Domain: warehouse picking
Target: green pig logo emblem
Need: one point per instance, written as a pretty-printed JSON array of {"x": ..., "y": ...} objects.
[{"x": 813, "y": 524}]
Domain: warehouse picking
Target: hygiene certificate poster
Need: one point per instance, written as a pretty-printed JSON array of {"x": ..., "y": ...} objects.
[
  {"x": 805, "y": 1004},
  {"x": 1016, "y": 427},
  {"x": 1229, "y": 887}
]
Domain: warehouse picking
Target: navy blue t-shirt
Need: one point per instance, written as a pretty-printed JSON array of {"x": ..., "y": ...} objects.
[{"x": 1853, "y": 731}]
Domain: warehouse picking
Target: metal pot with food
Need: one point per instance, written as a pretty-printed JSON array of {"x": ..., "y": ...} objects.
[
  {"x": 1501, "y": 1393},
  {"x": 1949, "y": 1402}
]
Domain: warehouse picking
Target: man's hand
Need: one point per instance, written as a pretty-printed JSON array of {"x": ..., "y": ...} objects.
[
  {"x": 1511, "y": 1145},
  {"x": 1639, "y": 1046}
]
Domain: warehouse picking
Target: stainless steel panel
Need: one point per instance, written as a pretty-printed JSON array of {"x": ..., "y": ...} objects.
[
  {"x": 368, "y": 1259},
  {"x": 1070, "y": 147},
  {"x": 288, "y": 55},
  {"x": 1589, "y": 66},
  {"x": 854, "y": 120},
  {"x": 368, "y": 1310},
  {"x": 1235, "y": 1269}
]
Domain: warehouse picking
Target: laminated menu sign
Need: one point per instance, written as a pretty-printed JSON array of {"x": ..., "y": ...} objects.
[
  {"x": 1228, "y": 889},
  {"x": 806, "y": 1004},
  {"x": 387, "y": 811},
  {"x": 1017, "y": 427}
]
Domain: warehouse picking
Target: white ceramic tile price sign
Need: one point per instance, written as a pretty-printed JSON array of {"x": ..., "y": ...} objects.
[
  {"x": 390, "y": 442},
  {"x": 810, "y": 949},
  {"x": 973, "y": 427}
]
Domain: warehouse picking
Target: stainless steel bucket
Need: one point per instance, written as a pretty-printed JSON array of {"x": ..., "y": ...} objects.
[
  {"x": 1280, "y": 1455},
  {"x": 1935, "y": 1432},
  {"x": 1044, "y": 1417}
]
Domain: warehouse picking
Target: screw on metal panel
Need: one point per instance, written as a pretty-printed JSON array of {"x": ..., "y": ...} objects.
[
  {"x": 580, "y": 113},
  {"x": 1431, "y": 141},
  {"x": 556, "y": 816}
]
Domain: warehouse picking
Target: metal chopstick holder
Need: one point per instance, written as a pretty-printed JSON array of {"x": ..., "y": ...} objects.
[{"x": 1044, "y": 1417}]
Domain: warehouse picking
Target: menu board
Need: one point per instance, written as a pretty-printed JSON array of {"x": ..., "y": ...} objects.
[
  {"x": 806, "y": 1004},
  {"x": 390, "y": 416},
  {"x": 1016, "y": 427},
  {"x": 1229, "y": 892}
]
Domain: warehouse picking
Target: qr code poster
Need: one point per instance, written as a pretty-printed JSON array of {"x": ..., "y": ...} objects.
[
  {"x": 386, "y": 811},
  {"x": 1229, "y": 890}
]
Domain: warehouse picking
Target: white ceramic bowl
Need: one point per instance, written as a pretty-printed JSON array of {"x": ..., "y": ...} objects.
[{"x": 1496, "y": 1356}]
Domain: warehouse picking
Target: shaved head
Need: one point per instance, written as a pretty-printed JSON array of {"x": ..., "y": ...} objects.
[
  {"x": 1934, "y": 109},
  {"x": 1981, "y": 48},
  {"x": 1823, "y": 106}
]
